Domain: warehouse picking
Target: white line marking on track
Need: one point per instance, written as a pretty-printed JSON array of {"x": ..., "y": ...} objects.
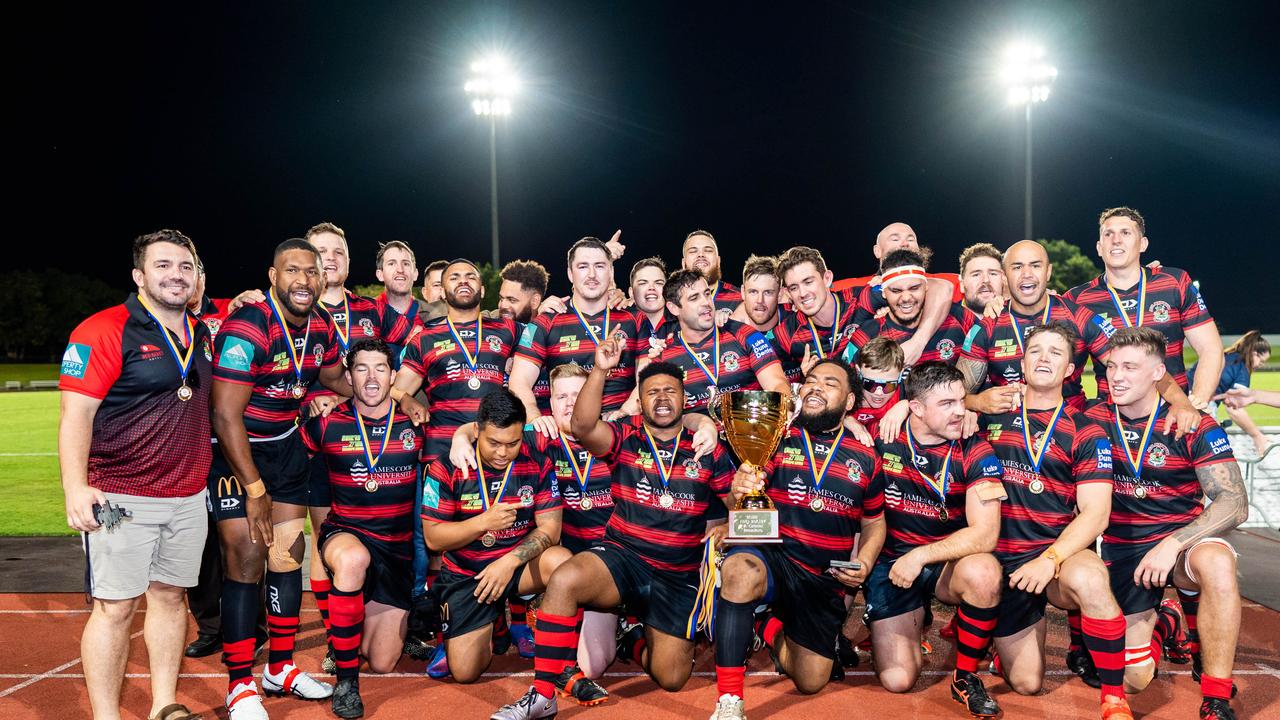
[{"x": 33, "y": 679}]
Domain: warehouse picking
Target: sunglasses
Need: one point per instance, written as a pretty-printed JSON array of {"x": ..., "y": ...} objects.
[{"x": 887, "y": 386}]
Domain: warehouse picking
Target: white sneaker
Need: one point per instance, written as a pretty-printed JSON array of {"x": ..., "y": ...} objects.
[
  {"x": 531, "y": 706},
  {"x": 729, "y": 707},
  {"x": 244, "y": 702},
  {"x": 292, "y": 681}
]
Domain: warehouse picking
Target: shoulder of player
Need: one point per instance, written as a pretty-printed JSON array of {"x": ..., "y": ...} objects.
[
  {"x": 1076, "y": 292},
  {"x": 1097, "y": 410},
  {"x": 104, "y": 323},
  {"x": 254, "y": 313}
]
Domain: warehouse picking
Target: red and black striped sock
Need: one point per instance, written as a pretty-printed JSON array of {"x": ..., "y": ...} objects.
[
  {"x": 1212, "y": 687},
  {"x": 320, "y": 587},
  {"x": 733, "y": 639},
  {"x": 555, "y": 648},
  {"x": 347, "y": 630},
  {"x": 518, "y": 613},
  {"x": 240, "y": 605},
  {"x": 1105, "y": 639},
  {"x": 974, "y": 627},
  {"x": 1190, "y": 601},
  {"x": 1166, "y": 624},
  {"x": 1075, "y": 637},
  {"x": 284, "y": 601}
]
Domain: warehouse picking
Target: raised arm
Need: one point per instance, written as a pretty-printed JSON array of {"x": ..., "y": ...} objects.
[
  {"x": 937, "y": 303},
  {"x": 595, "y": 434},
  {"x": 524, "y": 373}
]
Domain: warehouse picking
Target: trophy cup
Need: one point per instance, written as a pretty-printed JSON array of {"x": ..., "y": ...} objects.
[{"x": 754, "y": 421}]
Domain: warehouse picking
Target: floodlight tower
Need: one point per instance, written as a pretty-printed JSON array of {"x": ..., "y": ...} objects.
[
  {"x": 1028, "y": 78},
  {"x": 491, "y": 86}
]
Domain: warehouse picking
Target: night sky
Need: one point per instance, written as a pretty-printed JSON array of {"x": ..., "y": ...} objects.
[{"x": 245, "y": 123}]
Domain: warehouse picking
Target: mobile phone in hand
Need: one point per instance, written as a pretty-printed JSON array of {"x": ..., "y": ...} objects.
[{"x": 846, "y": 564}]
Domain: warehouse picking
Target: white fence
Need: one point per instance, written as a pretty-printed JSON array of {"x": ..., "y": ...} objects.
[{"x": 1262, "y": 476}]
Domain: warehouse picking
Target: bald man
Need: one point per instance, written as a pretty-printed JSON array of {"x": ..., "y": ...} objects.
[{"x": 895, "y": 236}]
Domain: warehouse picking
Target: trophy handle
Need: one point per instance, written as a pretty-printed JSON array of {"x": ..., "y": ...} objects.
[{"x": 793, "y": 409}]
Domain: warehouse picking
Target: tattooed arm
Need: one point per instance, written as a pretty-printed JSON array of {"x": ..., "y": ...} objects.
[
  {"x": 974, "y": 371},
  {"x": 492, "y": 581},
  {"x": 546, "y": 534},
  {"x": 1228, "y": 506},
  {"x": 993, "y": 400}
]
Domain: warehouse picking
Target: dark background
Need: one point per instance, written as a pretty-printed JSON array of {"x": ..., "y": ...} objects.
[{"x": 245, "y": 123}]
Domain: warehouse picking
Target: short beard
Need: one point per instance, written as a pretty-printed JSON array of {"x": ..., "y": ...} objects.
[
  {"x": 712, "y": 274},
  {"x": 167, "y": 305},
  {"x": 286, "y": 299},
  {"x": 822, "y": 422},
  {"x": 452, "y": 301}
]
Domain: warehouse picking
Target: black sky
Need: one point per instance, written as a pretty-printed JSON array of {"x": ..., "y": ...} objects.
[{"x": 245, "y": 123}]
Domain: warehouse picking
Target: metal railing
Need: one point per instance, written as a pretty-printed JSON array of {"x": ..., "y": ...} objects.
[{"x": 1249, "y": 467}]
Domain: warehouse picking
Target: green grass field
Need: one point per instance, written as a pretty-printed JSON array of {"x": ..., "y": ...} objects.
[
  {"x": 24, "y": 372},
  {"x": 31, "y": 497}
]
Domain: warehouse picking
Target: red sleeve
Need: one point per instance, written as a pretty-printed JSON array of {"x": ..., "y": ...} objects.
[
  {"x": 92, "y": 361},
  {"x": 313, "y": 434},
  {"x": 1091, "y": 456},
  {"x": 873, "y": 496}
]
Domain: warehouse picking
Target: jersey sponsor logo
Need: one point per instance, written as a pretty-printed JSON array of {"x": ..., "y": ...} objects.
[
  {"x": 442, "y": 345},
  {"x": 1217, "y": 440},
  {"x": 993, "y": 432},
  {"x": 1006, "y": 348},
  {"x": 431, "y": 493},
  {"x": 850, "y": 353},
  {"x": 75, "y": 360},
  {"x": 946, "y": 348},
  {"x": 730, "y": 361},
  {"x": 1160, "y": 311},
  {"x": 797, "y": 489},
  {"x": 991, "y": 467},
  {"x": 236, "y": 355},
  {"x": 1199, "y": 300},
  {"x": 351, "y": 443},
  {"x": 793, "y": 456},
  {"x": 1012, "y": 374},
  {"x": 569, "y": 343},
  {"x": 470, "y": 501},
  {"x": 1104, "y": 455},
  {"x": 892, "y": 462},
  {"x": 759, "y": 346},
  {"x": 1157, "y": 454},
  {"x": 150, "y": 352},
  {"x": 280, "y": 362},
  {"x": 526, "y": 337},
  {"x": 1104, "y": 324}
]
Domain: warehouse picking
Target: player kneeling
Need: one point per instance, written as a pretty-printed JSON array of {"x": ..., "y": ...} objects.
[
  {"x": 824, "y": 484},
  {"x": 366, "y": 540},
  {"x": 1057, "y": 471},
  {"x": 942, "y": 505}
]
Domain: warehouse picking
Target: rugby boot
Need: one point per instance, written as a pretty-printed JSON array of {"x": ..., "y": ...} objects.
[
  {"x": 575, "y": 685},
  {"x": 968, "y": 690},
  {"x": 1175, "y": 647},
  {"x": 346, "y": 699},
  {"x": 244, "y": 702},
  {"x": 523, "y": 636},
  {"x": 438, "y": 668},
  {"x": 1116, "y": 708},
  {"x": 1080, "y": 662},
  {"x": 846, "y": 656},
  {"x": 293, "y": 682},
  {"x": 531, "y": 706},
  {"x": 729, "y": 707},
  {"x": 330, "y": 663},
  {"x": 629, "y": 633},
  {"x": 1216, "y": 709}
]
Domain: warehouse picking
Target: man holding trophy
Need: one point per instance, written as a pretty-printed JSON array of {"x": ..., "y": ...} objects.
[{"x": 823, "y": 486}]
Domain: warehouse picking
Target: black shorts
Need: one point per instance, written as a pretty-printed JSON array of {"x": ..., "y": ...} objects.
[
  {"x": 810, "y": 607},
  {"x": 460, "y": 611},
  {"x": 1018, "y": 609},
  {"x": 390, "y": 575},
  {"x": 886, "y": 600},
  {"x": 282, "y": 464},
  {"x": 318, "y": 482},
  {"x": 1121, "y": 562},
  {"x": 674, "y": 593}
]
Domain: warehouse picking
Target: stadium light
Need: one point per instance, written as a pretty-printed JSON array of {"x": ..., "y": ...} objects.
[
  {"x": 491, "y": 86},
  {"x": 1027, "y": 78}
]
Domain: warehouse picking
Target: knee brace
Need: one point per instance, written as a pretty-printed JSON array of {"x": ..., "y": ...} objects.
[{"x": 285, "y": 554}]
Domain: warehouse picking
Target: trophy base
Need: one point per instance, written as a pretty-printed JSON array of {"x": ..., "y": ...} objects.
[{"x": 753, "y": 527}]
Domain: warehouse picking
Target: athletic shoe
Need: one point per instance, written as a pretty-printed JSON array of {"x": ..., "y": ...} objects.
[
  {"x": 244, "y": 702},
  {"x": 1175, "y": 647},
  {"x": 575, "y": 685},
  {"x": 629, "y": 634},
  {"x": 531, "y": 706},
  {"x": 1080, "y": 662},
  {"x": 418, "y": 649},
  {"x": 968, "y": 690},
  {"x": 523, "y": 636},
  {"x": 948, "y": 631},
  {"x": 294, "y": 682},
  {"x": 438, "y": 668},
  {"x": 330, "y": 663},
  {"x": 846, "y": 656},
  {"x": 203, "y": 646},
  {"x": 1115, "y": 708},
  {"x": 729, "y": 707},
  {"x": 1216, "y": 709},
  {"x": 1197, "y": 669},
  {"x": 346, "y": 699}
]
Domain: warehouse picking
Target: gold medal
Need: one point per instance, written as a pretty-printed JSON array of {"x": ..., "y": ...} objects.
[
  {"x": 298, "y": 391},
  {"x": 371, "y": 485},
  {"x": 943, "y": 515},
  {"x": 184, "y": 393},
  {"x": 1036, "y": 486},
  {"x": 297, "y": 356},
  {"x": 586, "y": 503},
  {"x": 1140, "y": 491},
  {"x": 664, "y": 471},
  {"x": 489, "y": 539},
  {"x": 816, "y": 504},
  {"x": 473, "y": 382},
  {"x": 666, "y": 501},
  {"x": 182, "y": 358}
]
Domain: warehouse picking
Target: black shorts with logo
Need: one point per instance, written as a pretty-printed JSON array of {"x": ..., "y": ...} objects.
[
  {"x": 460, "y": 610},
  {"x": 664, "y": 600},
  {"x": 389, "y": 578},
  {"x": 810, "y": 607},
  {"x": 886, "y": 600},
  {"x": 282, "y": 464}
]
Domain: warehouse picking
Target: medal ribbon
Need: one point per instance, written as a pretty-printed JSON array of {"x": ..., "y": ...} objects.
[
  {"x": 485, "y": 502},
  {"x": 1037, "y": 454},
  {"x": 344, "y": 330},
  {"x": 472, "y": 360},
  {"x": 189, "y": 327},
  {"x": 939, "y": 486},
  {"x": 296, "y": 358},
  {"x": 835, "y": 329},
  {"x": 664, "y": 472},
  {"x": 586, "y": 326},
  {"x": 1142, "y": 300},
  {"x": 713, "y": 374},
  {"x": 581, "y": 475},
  {"x": 1135, "y": 462},
  {"x": 364, "y": 435},
  {"x": 820, "y": 474},
  {"x": 1017, "y": 331}
]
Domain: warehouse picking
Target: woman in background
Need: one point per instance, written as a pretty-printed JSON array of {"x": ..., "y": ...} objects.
[{"x": 1244, "y": 356}]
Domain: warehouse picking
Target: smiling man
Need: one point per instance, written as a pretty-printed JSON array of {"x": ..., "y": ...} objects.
[{"x": 700, "y": 252}]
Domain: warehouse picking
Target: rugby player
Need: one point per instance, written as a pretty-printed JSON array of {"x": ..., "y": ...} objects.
[
  {"x": 759, "y": 307},
  {"x": 700, "y": 252},
  {"x": 397, "y": 270},
  {"x": 433, "y": 282},
  {"x": 524, "y": 284},
  {"x": 648, "y": 276},
  {"x": 981, "y": 276}
]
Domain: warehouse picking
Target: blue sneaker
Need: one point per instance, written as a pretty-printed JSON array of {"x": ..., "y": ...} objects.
[
  {"x": 523, "y": 636},
  {"x": 438, "y": 668}
]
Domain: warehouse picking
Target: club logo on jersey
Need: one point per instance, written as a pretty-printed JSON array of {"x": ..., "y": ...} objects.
[
  {"x": 214, "y": 325},
  {"x": 1217, "y": 440},
  {"x": 366, "y": 326},
  {"x": 526, "y": 337},
  {"x": 236, "y": 355},
  {"x": 1160, "y": 311},
  {"x": 853, "y": 469},
  {"x": 730, "y": 360},
  {"x": 691, "y": 468},
  {"x": 431, "y": 493},
  {"x": 1039, "y": 438},
  {"x": 408, "y": 439},
  {"x": 75, "y": 360},
  {"x": 526, "y": 495},
  {"x": 319, "y": 353},
  {"x": 495, "y": 344},
  {"x": 1157, "y": 455},
  {"x": 946, "y": 348},
  {"x": 208, "y": 351}
]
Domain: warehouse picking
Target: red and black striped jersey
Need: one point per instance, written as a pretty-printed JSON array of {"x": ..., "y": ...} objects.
[
  {"x": 252, "y": 349},
  {"x": 851, "y": 490},
  {"x": 212, "y": 312},
  {"x": 1170, "y": 304},
  {"x": 997, "y": 344},
  {"x": 913, "y": 508},
  {"x": 726, "y": 296},
  {"x": 646, "y": 330},
  {"x": 956, "y": 328},
  {"x": 357, "y": 317},
  {"x": 447, "y": 497},
  {"x": 744, "y": 354},
  {"x": 586, "y": 509},
  {"x": 437, "y": 357},
  {"x": 1165, "y": 495},
  {"x": 379, "y": 501},
  {"x": 668, "y": 538},
  {"x": 794, "y": 332},
  {"x": 145, "y": 440},
  {"x": 397, "y": 327},
  {"x": 870, "y": 416},
  {"x": 551, "y": 340},
  {"x": 1042, "y": 503}
]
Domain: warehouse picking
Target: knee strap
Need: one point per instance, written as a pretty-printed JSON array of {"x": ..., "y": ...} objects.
[{"x": 285, "y": 554}]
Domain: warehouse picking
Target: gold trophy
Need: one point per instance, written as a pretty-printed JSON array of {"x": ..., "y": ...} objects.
[{"x": 754, "y": 421}]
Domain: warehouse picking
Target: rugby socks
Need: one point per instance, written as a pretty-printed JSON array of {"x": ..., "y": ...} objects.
[
  {"x": 240, "y": 605},
  {"x": 769, "y": 632},
  {"x": 1075, "y": 637},
  {"x": 555, "y": 648},
  {"x": 1105, "y": 640},
  {"x": 321, "y": 589},
  {"x": 631, "y": 646},
  {"x": 1190, "y": 601},
  {"x": 974, "y": 627},
  {"x": 347, "y": 610},
  {"x": 518, "y": 613},
  {"x": 284, "y": 601},
  {"x": 733, "y": 638},
  {"x": 1212, "y": 687}
]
